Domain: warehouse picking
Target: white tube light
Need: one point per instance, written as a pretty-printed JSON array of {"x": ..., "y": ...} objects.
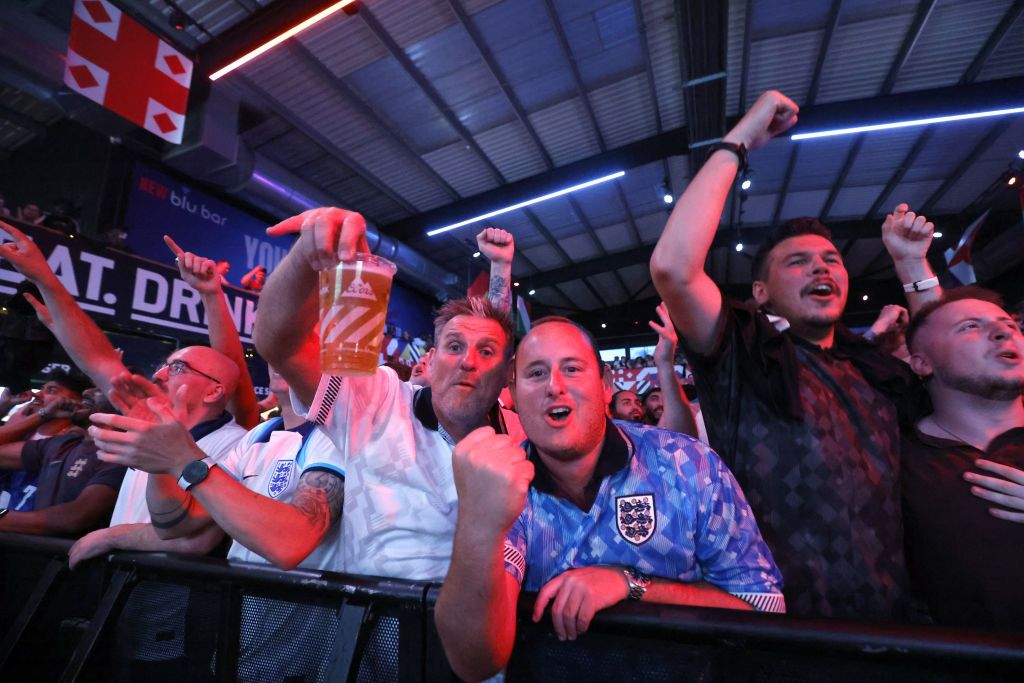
[
  {"x": 277, "y": 40},
  {"x": 908, "y": 124},
  {"x": 528, "y": 202}
]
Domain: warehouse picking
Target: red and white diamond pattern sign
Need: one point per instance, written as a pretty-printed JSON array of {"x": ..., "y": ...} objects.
[{"x": 117, "y": 63}]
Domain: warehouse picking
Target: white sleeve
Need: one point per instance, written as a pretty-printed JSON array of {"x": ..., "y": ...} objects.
[{"x": 348, "y": 408}]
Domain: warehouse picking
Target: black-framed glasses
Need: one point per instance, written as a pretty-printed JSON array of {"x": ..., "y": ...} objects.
[{"x": 178, "y": 366}]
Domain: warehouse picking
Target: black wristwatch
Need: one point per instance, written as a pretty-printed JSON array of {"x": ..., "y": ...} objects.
[
  {"x": 740, "y": 150},
  {"x": 194, "y": 473},
  {"x": 638, "y": 582}
]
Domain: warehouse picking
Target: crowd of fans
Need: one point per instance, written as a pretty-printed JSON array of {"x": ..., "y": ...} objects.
[{"x": 876, "y": 476}]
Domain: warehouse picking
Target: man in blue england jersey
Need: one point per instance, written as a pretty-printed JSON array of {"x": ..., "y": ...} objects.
[{"x": 591, "y": 513}]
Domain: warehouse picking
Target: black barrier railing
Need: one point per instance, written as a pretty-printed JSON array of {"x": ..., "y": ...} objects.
[{"x": 158, "y": 617}]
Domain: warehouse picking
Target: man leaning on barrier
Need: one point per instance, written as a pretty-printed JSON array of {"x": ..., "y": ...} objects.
[{"x": 592, "y": 513}]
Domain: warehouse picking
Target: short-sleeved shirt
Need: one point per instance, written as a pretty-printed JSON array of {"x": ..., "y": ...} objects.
[
  {"x": 665, "y": 504},
  {"x": 269, "y": 461},
  {"x": 812, "y": 436},
  {"x": 965, "y": 563},
  {"x": 66, "y": 465},
  {"x": 215, "y": 437},
  {"x": 400, "y": 507}
]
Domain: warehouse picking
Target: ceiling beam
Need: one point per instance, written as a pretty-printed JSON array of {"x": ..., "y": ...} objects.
[
  {"x": 988, "y": 95},
  {"x": 645, "y": 54},
  {"x": 724, "y": 239},
  {"x": 971, "y": 158},
  {"x": 748, "y": 29},
  {"x": 428, "y": 89},
  {"x": 831, "y": 24},
  {"x": 833, "y": 193},
  {"x": 993, "y": 41},
  {"x": 897, "y": 177},
  {"x": 23, "y": 121},
  {"x": 924, "y": 11},
  {"x": 703, "y": 30}
]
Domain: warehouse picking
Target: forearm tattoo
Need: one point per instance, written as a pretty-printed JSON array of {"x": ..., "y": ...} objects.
[
  {"x": 319, "y": 496},
  {"x": 499, "y": 293}
]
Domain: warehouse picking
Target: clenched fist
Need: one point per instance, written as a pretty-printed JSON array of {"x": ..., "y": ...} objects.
[{"x": 492, "y": 476}]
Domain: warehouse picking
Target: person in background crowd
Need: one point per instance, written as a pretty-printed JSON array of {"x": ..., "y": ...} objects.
[
  {"x": 223, "y": 267},
  {"x": 420, "y": 373},
  {"x": 625, "y": 405},
  {"x": 74, "y": 490},
  {"x": 806, "y": 418},
  {"x": 962, "y": 464},
  {"x": 889, "y": 331},
  {"x": 63, "y": 217},
  {"x": 4, "y": 211},
  {"x": 591, "y": 514},
  {"x": 255, "y": 278},
  {"x": 396, "y": 439},
  {"x": 30, "y": 213},
  {"x": 673, "y": 410}
]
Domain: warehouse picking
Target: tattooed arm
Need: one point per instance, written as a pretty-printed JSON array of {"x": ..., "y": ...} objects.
[
  {"x": 282, "y": 533},
  {"x": 499, "y": 248}
]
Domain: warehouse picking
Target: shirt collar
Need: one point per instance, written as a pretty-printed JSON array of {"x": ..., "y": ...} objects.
[
  {"x": 423, "y": 409},
  {"x": 206, "y": 428},
  {"x": 614, "y": 456}
]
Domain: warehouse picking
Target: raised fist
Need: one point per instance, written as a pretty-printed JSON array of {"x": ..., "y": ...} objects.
[
  {"x": 772, "y": 114},
  {"x": 906, "y": 235},
  {"x": 496, "y": 244},
  {"x": 492, "y": 476}
]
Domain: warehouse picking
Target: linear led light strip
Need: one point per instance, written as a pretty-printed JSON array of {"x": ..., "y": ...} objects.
[
  {"x": 273, "y": 42},
  {"x": 528, "y": 202},
  {"x": 908, "y": 124}
]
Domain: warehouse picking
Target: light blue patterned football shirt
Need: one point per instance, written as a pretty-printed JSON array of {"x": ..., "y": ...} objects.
[{"x": 666, "y": 505}]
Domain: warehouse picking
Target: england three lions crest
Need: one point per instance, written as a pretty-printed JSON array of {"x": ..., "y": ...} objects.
[
  {"x": 634, "y": 516},
  {"x": 281, "y": 477}
]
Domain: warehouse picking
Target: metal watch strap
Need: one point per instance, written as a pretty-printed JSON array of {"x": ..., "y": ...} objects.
[{"x": 638, "y": 582}]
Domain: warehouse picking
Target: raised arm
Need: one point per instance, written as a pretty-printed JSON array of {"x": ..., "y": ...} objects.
[
  {"x": 907, "y": 238},
  {"x": 476, "y": 609},
  {"x": 83, "y": 340},
  {"x": 201, "y": 275},
  {"x": 499, "y": 248},
  {"x": 289, "y": 309},
  {"x": 677, "y": 264},
  {"x": 677, "y": 415}
]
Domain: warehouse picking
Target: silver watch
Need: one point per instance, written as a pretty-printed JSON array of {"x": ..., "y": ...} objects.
[{"x": 638, "y": 582}]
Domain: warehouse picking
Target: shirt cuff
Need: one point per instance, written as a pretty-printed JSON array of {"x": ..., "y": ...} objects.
[{"x": 764, "y": 602}]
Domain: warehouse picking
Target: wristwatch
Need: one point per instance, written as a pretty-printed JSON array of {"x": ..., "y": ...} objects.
[
  {"x": 638, "y": 582},
  {"x": 740, "y": 150},
  {"x": 194, "y": 473}
]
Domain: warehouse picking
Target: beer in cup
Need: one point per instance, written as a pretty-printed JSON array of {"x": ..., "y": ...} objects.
[{"x": 353, "y": 305}]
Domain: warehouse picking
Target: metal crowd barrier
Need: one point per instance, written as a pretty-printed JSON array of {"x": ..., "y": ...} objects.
[{"x": 159, "y": 617}]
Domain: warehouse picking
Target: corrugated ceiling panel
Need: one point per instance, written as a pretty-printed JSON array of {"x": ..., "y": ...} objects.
[
  {"x": 462, "y": 169},
  {"x": 266, "y": 131},
  {"x": 511, "y": 149},
  {"x": 785, "y": 63},
  {"x": 636, "y": 276},
  {"x": 324, "y": 171},
  {"x": 624, "y": 111},
  {"x": 344, "y": 45},
  {"x": 734, "y": 58},
  {"x": 580, "y": 246},
  {"x": 768, "y": 165},
  {"x": 12, "y": 137},
  {"x": 609, "y": 288},
  {"x": 563, "y": 131},
  {"x": 850, "y": 71},
  {"x": 805, "y": 203},
  {"x": 544, "y": 257},
  {"x": 954, "y": 34},
  {"x": 651, "y": 226},
  {"x": 880, "y": 155},
  {"x": 615, "y": 237},
  {"x": 819, "y": 163},
  {"x": 786, "y": 19},
  {"x": 474, "y": 6},
  {"x": 292, "y": 149},
  {"x": 990, "y": 165},
  {"x": 600, "y": 204},
  {"x": 216, "y": 16},
  {"x": 410, "y": 21},
  {"x": 862, "y": 253},
  {"x": 1008, "y": 59},
  {"x": 854, "y": 201},
  {"x": 949, "y": 144},
  {"x": 580, "y": 294},
  {"x": 604, "y": 42},
  {"x": 663, "y": 45},
  {"x": 758, "y": 208},
  {"x": 914, "y": 194}
]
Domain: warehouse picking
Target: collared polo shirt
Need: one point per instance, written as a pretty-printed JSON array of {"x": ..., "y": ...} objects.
[
  {"x": 665, "y": 504},
  {"x": 400, "y": 500}
]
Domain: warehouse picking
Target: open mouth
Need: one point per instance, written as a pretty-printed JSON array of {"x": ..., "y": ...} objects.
[
  {"x": 822, "y": 290},
  {"x": 559, "y": 414},
  {"x": 1009, "y": 354}
]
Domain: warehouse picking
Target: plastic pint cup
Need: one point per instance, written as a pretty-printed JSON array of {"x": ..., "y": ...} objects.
[{"x": 353, "y": 305}]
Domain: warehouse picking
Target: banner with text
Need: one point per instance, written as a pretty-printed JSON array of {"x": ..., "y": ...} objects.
[{"x": 160, "y": 205}]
